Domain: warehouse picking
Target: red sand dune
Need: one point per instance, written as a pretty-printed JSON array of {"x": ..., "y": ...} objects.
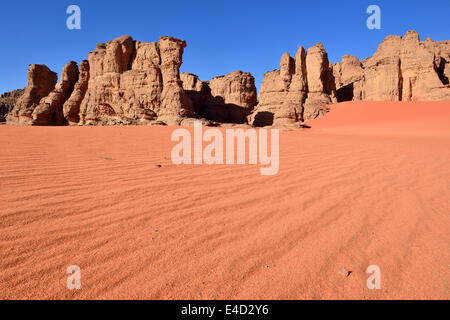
[
  {"x": 368, "y": 185},
  {"x": 417, "y": 118}
]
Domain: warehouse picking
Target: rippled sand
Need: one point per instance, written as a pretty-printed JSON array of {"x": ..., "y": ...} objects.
[{"x": 369, "y": 184}]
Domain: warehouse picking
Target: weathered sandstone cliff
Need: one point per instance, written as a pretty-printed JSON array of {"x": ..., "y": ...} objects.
[
  {"x": 71, "y": 108},
  {"x": 50, "y": 108},
  {"x": 41, "y": 81},
  {"x": 299, "y": 91},
  {"x": 402, "y": 69},
  {"x": 123, "y": 82},
  {"x": 131, "y": 82}
]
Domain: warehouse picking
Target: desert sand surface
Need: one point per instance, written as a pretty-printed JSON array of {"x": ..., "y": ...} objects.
[{"x": 369, "y": 184}]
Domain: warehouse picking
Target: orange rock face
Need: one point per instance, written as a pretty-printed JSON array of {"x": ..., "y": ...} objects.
[
  {"x": 123, "y": 82},
  {"x": 131, "y": 82},
  {"x": 299, "y": 91},
  {"x": 134, "y": 82},
  {"x": 402, "y": 69},
  {"x": 321, "y": 86}
]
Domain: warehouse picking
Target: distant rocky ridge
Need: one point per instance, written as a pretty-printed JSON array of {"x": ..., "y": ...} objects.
[{"x": 130, "y": 82}]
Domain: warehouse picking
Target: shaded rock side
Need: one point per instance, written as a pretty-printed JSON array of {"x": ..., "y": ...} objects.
[
  {"x": 71, "y": 107},
  {"x": 40, "y": 82},
  {"x": 227, "y": 99},
  {"x": 7, "y": 102},
  {"x": 50, "y": 109},
  {"x": 349, "y": 79},
  {"x": 442, "y": 58},
  {"x": 321, "y": 84}
]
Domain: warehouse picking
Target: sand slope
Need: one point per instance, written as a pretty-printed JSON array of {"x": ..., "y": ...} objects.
[{"x": 358, "y": 189}]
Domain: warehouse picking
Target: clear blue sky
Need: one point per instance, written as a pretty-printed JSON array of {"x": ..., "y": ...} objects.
[{"x": 222, "y": 36}]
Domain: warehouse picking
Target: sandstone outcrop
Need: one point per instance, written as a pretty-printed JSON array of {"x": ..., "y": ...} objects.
[
  {"x": 442, "y": 58},
  {"x": 226, "y": 99},
  {"x": 175, "y": 104},
  {"x": 8, "y": 101},
  {"x": 123, "y": 82},
  {"x": 321, "y": 86},
  {"x": 402, "y": 69},
  {"x": 71, "y": 108},
  {"x": 41, "y": 81},
  {"x": 135, "y": 82},
  {"x": 131, "y": 82},
  {"x": 349, "y": 78},
  {"x": 299, "y": 91},
  {"x": 50, "y": 109},
  {"x": 382, "y": 72}
]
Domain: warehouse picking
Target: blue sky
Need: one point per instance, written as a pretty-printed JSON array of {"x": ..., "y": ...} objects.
[{"x": 222, "y": 36}]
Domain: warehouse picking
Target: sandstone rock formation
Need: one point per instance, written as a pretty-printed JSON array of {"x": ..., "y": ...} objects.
[
  {"x": 349, "y": 78},
  {"x": 402, "y": 69},
  {"x": 299, "y": 91},
  {"x": 227, "y": 99},
  {"x": 71, "y": 108},
  {"x": 175, "y": 104},
  {"x": 50, "y": 109},
  {"x": 8, "y": 101},
  {"x": 131, "y": 82},
  {"x": 135, "y": 82},
  {"x": 321, "y": 86},
  {"x": 123, "y": 82},
  {"x": 41, "y": 81},
  {"x": 442, "y": 58}
]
